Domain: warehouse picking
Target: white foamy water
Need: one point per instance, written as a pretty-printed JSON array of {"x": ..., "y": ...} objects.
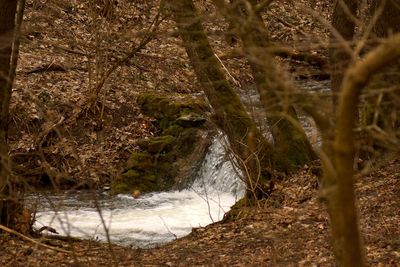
[{"x": 151, "y": 219}]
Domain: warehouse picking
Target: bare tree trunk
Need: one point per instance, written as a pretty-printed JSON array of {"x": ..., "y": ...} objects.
[
  {"x": 272, "y": 85},
  {"x": 7, "y": 24},
  {"x": 252, "y": 150},
  {"x": 343, "y": 21},
  {"x": 340, "y": 194}
]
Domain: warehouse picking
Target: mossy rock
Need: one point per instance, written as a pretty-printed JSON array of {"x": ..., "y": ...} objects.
[
  {"x": 131, "y": 174},
  {"x": 171, "y": 106},
  {"x": 158, "y": 106},
  {"x": 159, "y": 169},
  {"x": 143, "y": 144},
  {"x": 160, "y": 144},
  {"x": 165, "y": 122},
  {"x": 135, "y": 180},
  {"x": 187, "y": 140},
  {"x": 240, "y": 209},
  {"x": 140, "y": 160},
  {"x": 125, "y": 182},
  {"x": 173, "y": 130},
  {"x": 119, "y": 187},
  {"x": 190, "y": 120},
  {"x": 164, "y": 165},
  {"x": 167, "y": 161}
]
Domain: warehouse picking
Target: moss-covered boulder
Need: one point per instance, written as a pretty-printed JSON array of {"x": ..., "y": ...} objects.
[
  {"x": 160, "y": 144},
  {"x": 169, "y": 110},
  {"x": 168, "y": 161},
  {"x": 170, "y": 105},
  {"x": 140, "y": 161},
  {"x": 135, "y": 180},
  {"x": 190, "y": 120}
]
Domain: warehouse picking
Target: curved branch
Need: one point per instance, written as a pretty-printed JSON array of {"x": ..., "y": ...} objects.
[
  {"x": 356, "y": 78},
  {"x": 347, "y": 241}
]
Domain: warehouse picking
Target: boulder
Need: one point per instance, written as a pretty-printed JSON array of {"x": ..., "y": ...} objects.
[{"x": 169, "y": 160}]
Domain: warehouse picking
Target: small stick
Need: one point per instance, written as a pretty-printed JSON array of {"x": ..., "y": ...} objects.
[{"x": 4, "y": 228}]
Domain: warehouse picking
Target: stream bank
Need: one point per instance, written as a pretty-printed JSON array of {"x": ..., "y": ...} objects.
[
  {"x": 150, "y": 219},
  {"x": 289, "y": 229}
]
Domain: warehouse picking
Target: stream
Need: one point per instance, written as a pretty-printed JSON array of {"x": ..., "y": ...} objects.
[
  {"x": 151, "y": 219},
  {"x": 154, "y": 218}
]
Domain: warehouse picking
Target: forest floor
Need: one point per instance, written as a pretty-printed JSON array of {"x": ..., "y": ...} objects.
[
  {"x": 68, "y": 128},
  {"x": 291, "y": 228}
]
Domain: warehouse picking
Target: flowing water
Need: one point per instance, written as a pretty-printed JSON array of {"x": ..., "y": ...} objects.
[
  {"x": 154, "y": 218},
  {"x": 151, "y": 219}
]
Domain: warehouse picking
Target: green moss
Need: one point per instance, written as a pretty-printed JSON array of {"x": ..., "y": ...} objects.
[
  {"x": 160, "y": 144},
  {"x": 164, "y": 167},
  {"x": 186, "y": 141},
  {"x": 238, "y": 210},
  {"x": 164, "y": 123},
  {"x": 118, "y": 188},
  {"x": 171, "y": 106},
  {"x": 288, "y": 159},
  {"x": 150, "y": 178},
  {"x": 153, "y": 169},
  {"x": 166, "y": 157},
  {"x": 143, "y": 143},
  {"x": 184, "y": 111},
  {"x": 130, "y": 174},
  {"x": 125, "y": 183},
  {"x": 140, "y": 161},
  {"x": 135, "y": 180},
  {"x": 174, "y": 130},
  {"x": 157, "y": 105}
]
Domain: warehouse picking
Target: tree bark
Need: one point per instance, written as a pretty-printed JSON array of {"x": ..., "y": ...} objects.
[
  {"x": 252, "y": 150},
  {"x": 343, "y": 21},
  {"x": 7, "y": 24},
  {"x": 275, "y": 93}
]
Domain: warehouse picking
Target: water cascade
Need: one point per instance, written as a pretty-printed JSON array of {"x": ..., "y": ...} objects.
[{"x": 151, "y": 219}]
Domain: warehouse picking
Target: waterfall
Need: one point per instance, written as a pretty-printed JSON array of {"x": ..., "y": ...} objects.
[
  {"x": 217, "y": 174},
  {"x": 153, "y": 218}
]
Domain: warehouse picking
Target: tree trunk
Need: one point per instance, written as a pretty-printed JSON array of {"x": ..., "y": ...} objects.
[
  {"x": 343, "y": 21},
  {"x": 289, "y": 137},
  {"x": 251, "y": 149},
  {"x": 7, "y": 24},
  {"x": 340, "y": 193}
]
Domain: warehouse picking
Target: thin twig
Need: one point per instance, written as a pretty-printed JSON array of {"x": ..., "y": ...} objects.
[
  {"x": 106, "y": 230},
  {"x": 4, "y": 228},
  {"x": 287, "y": 24},
  {"x": 149, "y": 36},
  {"x": 166, "y": 227}
]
